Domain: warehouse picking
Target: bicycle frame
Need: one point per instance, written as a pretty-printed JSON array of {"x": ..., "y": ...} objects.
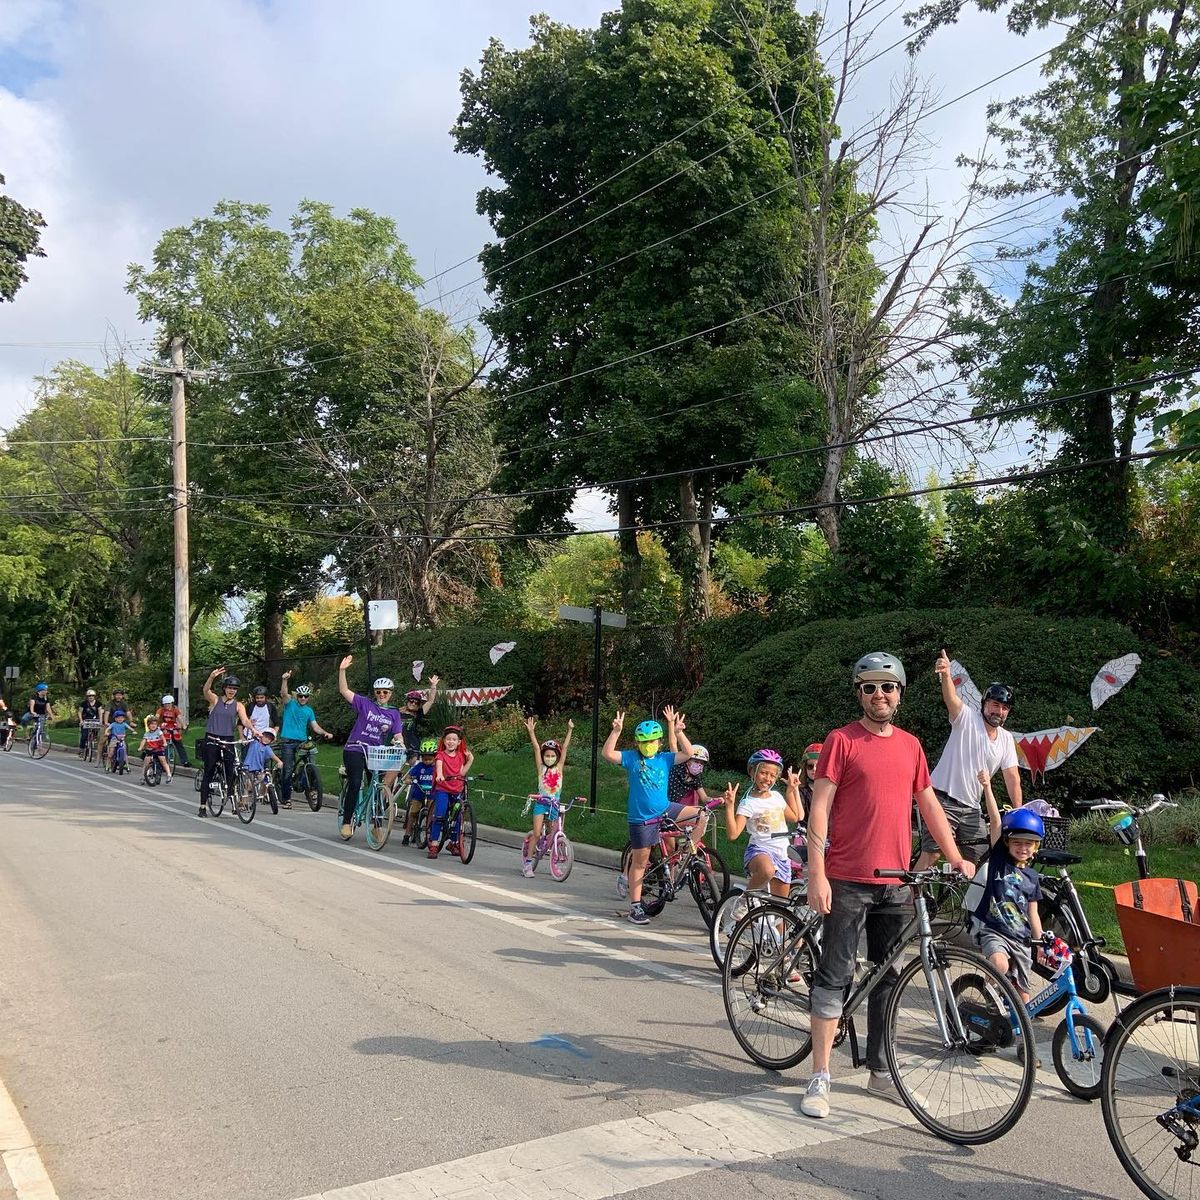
[
  {"x": 676, "y": 858},
  {"x": 553, "y": 824}
]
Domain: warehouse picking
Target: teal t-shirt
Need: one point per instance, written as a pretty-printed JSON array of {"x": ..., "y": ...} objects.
[
  {"x": 647, "y": 783},
  {"x": 296, "y": 719}
]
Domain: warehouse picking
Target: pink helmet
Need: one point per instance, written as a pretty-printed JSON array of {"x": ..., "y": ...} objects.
[{"x": 764, "y": 756}]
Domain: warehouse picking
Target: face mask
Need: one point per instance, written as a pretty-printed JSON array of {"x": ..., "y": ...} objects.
[
  {"x": 648, "y": 749},
  {"x": 695, "y": 768},
  {"x": 550, "y": 759}
]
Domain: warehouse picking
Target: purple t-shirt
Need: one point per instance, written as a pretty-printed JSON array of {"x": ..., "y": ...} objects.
[{"x": 373, "y": 725}]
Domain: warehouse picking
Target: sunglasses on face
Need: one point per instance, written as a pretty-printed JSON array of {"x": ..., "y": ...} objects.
[{"x": 869, "y": 689}]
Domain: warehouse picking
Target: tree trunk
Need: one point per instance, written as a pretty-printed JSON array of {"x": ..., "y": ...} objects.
[
  {"x": 138, "y": 650},
  {"x": 631, "y": 555},
  {"x": 698, "y": 531},
  {"x": 272, "y": 637},
  {"x": 424, "y": 597},
  {"x": 827, "y": 516}
]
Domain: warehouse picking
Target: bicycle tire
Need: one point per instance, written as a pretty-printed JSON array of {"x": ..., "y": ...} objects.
[
  {"x": 1013, "y": 1078},
  {"x": 217, "y": 797},
  {"x": 717, "y": 865},
  {"x": 152, "y": 772},
  {"x": 467, "y": 833},
  {"x": 311, "y": 786},
  {"x": 421, "y": 829},
  {"x": 378, "y": 819},
  {"x": 770, "y": 1014},
  {"x": 6, "y": 742},
  {"x": 247, "y": 798},
  {"x": 1080, "y": 1076},
  {"x": 1134, "y": 1061},
  {"x": 733, "y": 907},
  {"x": 562, "y": 857},
  {"x": 702, "y": 883},
  {"x": 271, "y": 793},
  {"x": 656, "y": 883}
]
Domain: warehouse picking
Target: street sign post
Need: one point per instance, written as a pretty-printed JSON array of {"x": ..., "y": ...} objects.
[{"x": 597, "y": 618}]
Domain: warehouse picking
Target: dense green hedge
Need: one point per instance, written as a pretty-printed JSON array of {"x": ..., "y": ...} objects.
[{"x": 791, "y": 688}]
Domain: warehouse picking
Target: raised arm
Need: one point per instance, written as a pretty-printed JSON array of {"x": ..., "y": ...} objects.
[
  {"x": 733, "y": 823},
  {"x": 949, "y": 695},
  {"x": 993, "y": 809},
  {"x": 792, "y": 802},
  {"x": 672, "y": 736},
  {"x": 531, "y": 729},
  {"x": 431, "y": 695},
  {"x": 343, "y": 686},
  {"x": 284, "y": 694},
  {"x": 609, "y": 751},
  {"x": 684, "y": 752},
  {"x": 567, "y": 742},
  {"x": 207, "y": 690}
]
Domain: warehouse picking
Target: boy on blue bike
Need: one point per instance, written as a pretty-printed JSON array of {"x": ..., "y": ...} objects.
[{"x": 420, "y": 785}]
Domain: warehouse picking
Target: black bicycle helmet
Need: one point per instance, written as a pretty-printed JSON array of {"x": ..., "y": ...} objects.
[
  {"x": 231, "y": 681},
  {"x": 1000, "y": 692},
  {"x": 259, "y": 689}
]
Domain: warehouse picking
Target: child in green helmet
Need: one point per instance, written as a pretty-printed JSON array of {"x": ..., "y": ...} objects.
[
  {"x": 648, "y": 768},
  {"x": 420, "y": 785}
]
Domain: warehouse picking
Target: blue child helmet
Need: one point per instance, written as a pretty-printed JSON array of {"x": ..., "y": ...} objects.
[
  {"x": 42, "y": 687},
  {"x": 1021, "y": 820},
  {"x": 648, "y": 731}
]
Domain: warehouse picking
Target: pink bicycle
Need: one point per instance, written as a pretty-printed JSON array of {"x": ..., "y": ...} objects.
[{"x": 554, "y": 840}]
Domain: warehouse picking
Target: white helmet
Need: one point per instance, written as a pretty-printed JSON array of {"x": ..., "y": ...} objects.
[
  {"x": 383, "y": 682},
  {"x": 304, "y": 690},
  {"x": 699, "y": 754},
  {"x": 168, "y": 698}
]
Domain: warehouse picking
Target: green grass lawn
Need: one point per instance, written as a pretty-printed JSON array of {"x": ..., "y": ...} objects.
[{"x": 501, "y": 798}]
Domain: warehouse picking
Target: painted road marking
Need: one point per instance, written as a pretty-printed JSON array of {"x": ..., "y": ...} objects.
[
  {"x": 20, "y": 1156},
  {"x": 562, "y": 936},
  {"x": 638, "y": 1152}
]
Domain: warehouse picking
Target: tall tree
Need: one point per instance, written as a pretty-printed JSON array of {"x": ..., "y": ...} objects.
[
  {"x": 20, "y": 240},
  {"x": 636, "y": 283},
  {"x": 1110, "y": 295}
]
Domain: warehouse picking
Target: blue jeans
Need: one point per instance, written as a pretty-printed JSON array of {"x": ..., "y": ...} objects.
[{"x": 441, "y": 806}]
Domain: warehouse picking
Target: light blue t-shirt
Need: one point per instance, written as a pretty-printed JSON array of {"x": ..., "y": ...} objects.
[
  {"x": 647, "y": 783},
  {"x": 296, "y": 719},
  {"x": 257, "y": 756}
]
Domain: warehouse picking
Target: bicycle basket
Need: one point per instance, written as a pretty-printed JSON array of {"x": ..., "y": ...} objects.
[
  {"x": 385, "y": 758},
  {"x": 1056, "y": 835},
  {"x": 1160, "y": 924},
  {"x": 89, "y": 724}
]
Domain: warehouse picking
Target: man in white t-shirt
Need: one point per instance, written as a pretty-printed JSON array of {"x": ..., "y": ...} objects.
[{"x": 978, "y": 742}]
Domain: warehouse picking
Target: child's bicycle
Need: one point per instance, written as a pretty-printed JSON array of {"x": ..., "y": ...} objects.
[
  {"x": 459, "y": 829},
  {"x": 417, "y": 815},
  {"x": 152, "y": 771},
  {"x": 305, "y": 776},
  {"x": 677, "y": 860},
  {"x": 1078, "y": 1045},
  {"x": 117, "y": 760},
  {"x": 554, "y": 840}
]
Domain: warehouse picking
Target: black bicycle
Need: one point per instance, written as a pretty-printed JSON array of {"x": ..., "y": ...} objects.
[
  {"x": 305, "y": 776},
  {"x": 91, "y": 739},
  {"x": 459, "y": 829}
]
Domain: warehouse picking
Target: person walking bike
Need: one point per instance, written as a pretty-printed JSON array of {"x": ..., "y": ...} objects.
[
  {"x": 978, "y": 742},
  {"x": 298, "y": 718},
  {"x": 867, "y": 776},
  {"x": 225, "y": 714}
]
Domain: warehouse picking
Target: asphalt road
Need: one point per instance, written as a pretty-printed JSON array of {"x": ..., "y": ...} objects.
[{"x": 196, "y": 1009}]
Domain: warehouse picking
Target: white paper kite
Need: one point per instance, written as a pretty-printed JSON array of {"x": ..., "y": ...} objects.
[
  {"x": 1112, "y": 677},
  {"x": 418, "y": 667},
  {"x": 499, "y": 650},
  {"x": 968, "y": 693},
  {"x": 1049, "y": 748},
  {"x": 476, "y": 697}
]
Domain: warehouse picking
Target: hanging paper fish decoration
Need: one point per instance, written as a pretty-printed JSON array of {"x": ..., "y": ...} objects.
[
  {"x": 418, "y": 667},
  {"x": 968, "y": 693},
  {"x": 1049, "y": 748},
  {"x": 1112, "y": 677},
  {"x": 499, "y": 650},
  {"x": 476, "y": 697}
]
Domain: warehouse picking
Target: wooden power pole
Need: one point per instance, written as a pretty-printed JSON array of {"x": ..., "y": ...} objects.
[{"x": 179, "y": 481}]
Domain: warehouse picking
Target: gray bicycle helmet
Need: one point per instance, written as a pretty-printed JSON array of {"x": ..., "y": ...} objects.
[{"x": 879, "y": 666}]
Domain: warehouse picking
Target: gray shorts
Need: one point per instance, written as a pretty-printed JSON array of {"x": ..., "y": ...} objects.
[
  {"x": 967, "y": 825},
  {"x": 992, "y": 941}
]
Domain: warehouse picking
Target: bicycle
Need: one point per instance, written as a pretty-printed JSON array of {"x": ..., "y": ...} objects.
[
  {"x": 553, "y": 840},
  {"x": 676, "y": 860},
  {"x": 116, "y": 762},
  {"x": 1063, "y": 914},
  {"x": 8, "y": 732},
  {"x": 222, "y": 790},
  {"x": 305, "y": 776},
  {"x": 91, "y": 730},
  {"x": 460, "y": 822},
  {"x": 942, "y": 1041},
  {"x": 1150, "y": 1091},
  {"x": 152, "y": 771},
  {"x": 39, "y": 742},
  {"x": 374, "y": 809},
  {"x": 258, "y": 787}
]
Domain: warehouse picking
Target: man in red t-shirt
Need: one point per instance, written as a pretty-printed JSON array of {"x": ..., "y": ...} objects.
[{"x": 867, "y": 776}]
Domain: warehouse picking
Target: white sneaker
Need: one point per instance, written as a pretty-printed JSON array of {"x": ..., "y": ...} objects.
[
  {"x": 527, "y": 869},
  {"x": 816, "y": 1099},
  {"x": 882, "y": 1084}
]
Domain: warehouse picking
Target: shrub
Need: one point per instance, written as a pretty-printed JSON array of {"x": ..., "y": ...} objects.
[{"x": 793, "y": 687}]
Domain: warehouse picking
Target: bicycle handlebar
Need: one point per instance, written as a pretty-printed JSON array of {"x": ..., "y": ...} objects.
[{"x": 1157, "y": 801}]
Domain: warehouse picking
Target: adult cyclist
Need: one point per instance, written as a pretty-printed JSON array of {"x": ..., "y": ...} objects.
[
  {"x": 298, "y": 718},
  {"x": 39, "y": 705},
  {"x": 226, "y": 714},
  {"x": 374, "y": 724},
  {"x": 978, "y": 742},
  {"x": 416, "y": 708},
  {"x": 89, "y": 714}
]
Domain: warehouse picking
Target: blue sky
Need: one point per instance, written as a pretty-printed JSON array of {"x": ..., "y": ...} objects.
[{"x": 120, "y": 118}]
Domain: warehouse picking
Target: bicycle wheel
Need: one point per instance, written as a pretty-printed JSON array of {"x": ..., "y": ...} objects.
[
  {"x": 1080, "y": 1073},
  {"x": 271, "y": 793},
  {"x": 310, "y": 784},
  {"x": 717, "y": 865},
  {"x": 466, "y": 833},
  {"x": 623, "y": 873},
  {"x": 1092, "y": 980},
  {"x": 381, "y": 812},
  {"x": 151, "y": 772},
  {"x": 216, "y": 798},
  {"x": 975, "y": 1089},
  {"x": 768, "y": 1004},
  {"x": 1150, "y": 1091},
  {"x": 729, "y": 912},
  {"x": 247, "y": 798},
  {"x": 703, "y": 886},
  {"x": 657, "y": 888},
  {"x": 562, "y": 857},
  {"x": 421, "y": 829}
]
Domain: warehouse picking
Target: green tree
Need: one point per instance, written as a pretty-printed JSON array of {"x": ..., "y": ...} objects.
[
  {"x": 1110, "y": 293},
  {"x": 612, "y": 243},
  {"x": 20, "y": 240}
]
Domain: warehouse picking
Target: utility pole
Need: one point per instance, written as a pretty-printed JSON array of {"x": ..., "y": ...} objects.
[{"x": 179, "y": 481}]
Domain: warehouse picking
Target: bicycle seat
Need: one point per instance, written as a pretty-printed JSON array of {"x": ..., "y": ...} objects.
[{"x": 1057, "y": 858}]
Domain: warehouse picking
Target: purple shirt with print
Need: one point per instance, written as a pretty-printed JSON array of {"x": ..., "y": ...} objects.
[{"x": 373, "y": 724}]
